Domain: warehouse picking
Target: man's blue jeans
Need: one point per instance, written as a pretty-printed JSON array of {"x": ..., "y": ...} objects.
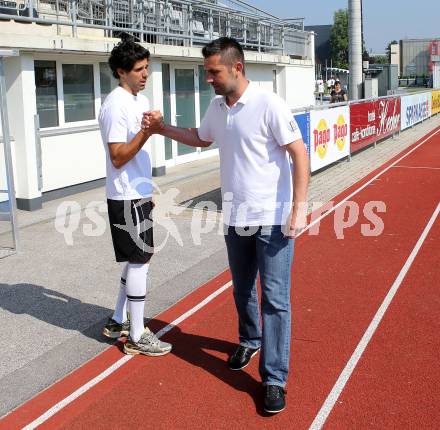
[{"x": 267, "y": 251}]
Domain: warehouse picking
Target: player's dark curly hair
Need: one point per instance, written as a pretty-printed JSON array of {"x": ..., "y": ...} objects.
[{"x": 125, "y": 54}]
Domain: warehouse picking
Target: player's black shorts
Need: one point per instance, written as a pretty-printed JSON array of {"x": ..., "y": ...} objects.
[{"x": 131, "y": 225}]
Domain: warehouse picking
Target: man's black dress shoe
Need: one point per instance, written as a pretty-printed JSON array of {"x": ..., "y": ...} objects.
[
  {"x": 241, "y": 357},
  {"x": 274, "y": 400}
]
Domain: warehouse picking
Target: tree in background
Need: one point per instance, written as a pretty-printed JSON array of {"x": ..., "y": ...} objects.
[
  {"x": 379, "y": 59},
  {"x": 339, "y": 39}
]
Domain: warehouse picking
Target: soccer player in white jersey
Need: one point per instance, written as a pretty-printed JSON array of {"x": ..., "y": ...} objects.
[
  {"x": 264, "y": 205},
  {"x": 129, "y": 194}
]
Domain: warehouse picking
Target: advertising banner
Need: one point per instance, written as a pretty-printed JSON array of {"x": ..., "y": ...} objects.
[
  {"x": 329, "y": 136},
  {"x": 435, "y": 105},
  {"x": 388, "y": 117},
  {"x": 303, "y": 121},
  {"x": 363, "y": 122},
  {"x": 414, "y": 109}
]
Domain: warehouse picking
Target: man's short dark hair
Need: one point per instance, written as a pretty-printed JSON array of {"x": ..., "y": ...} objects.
[
  {"x": 228, "y": 48},
  {"x": 125, "y": 54}
]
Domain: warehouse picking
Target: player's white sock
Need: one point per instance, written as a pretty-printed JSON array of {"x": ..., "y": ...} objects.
[
  {"x": 136, "y": 290},
  {"x": 120, "y": 314}
]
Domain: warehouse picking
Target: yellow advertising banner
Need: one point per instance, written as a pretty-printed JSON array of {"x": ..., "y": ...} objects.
[{"x": 435, "y": 102}]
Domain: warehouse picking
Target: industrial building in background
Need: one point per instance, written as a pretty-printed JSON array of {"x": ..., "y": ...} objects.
[
  {"x": 415, "y": 57},
  {"x": 58, "y": 81},
  {"x": 323, "y": 57}
]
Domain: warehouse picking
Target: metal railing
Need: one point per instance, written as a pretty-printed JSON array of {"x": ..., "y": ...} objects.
[{"x": 169, "y": 22}]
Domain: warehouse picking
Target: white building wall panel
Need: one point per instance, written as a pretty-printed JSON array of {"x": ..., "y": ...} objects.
[
  {"x": 299, "y": 86},
  {"x": 20, "y": 87},
  {"x": 261, "y": 74},
  {"x": 72, "y": 159}
]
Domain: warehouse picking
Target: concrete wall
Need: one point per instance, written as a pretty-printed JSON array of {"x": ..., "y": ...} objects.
[
  {"x": 262, "y": 75},
  {"x": 49, "y": 30},
  {"x": 72, "y": 159},
  {"x": 21, "y": 99}
]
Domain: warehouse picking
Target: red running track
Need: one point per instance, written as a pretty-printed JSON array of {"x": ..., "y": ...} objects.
[{"x": 339, "y": 285}]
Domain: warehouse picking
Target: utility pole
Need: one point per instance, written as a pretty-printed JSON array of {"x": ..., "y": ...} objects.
[{"x": 355, "y": 48}]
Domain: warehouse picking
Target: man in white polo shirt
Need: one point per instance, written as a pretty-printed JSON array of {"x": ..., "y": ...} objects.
[
  {"x": 257, "y": 138},
  {"x": 129, "y": 194}
]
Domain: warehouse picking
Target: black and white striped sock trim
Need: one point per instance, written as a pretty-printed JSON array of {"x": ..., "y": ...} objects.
[{"x": 136, "y": 298}]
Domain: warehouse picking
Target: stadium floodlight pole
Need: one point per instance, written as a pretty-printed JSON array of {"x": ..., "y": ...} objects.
[{"x": 355, "y": 48}]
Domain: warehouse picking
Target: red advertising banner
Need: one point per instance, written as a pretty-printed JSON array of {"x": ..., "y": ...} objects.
[
  {"x": 388, "y": 117},
  {"x": 363, "y": 123},
  {"x": 372, "y": 121}
]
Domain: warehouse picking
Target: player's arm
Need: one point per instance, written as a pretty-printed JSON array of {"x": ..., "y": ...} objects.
[
  {"x": 121, "y": 153},
  {"x": 188, "y": 136},
  {"x": 301, "y": 173}
]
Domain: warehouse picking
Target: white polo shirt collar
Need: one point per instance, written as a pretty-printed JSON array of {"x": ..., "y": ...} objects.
[{"x": 248, "y": 92}]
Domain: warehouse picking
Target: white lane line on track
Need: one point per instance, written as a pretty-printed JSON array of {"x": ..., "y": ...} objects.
[
  {"x": 334, "y": 394},
  {"x": 417, "y": 167},
  {"x": 63, "y": 403}
]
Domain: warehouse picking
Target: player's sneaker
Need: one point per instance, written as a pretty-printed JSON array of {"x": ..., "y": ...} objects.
[
  {"x": 114, "y": 330},
  {"x": 148, "y": 344}
]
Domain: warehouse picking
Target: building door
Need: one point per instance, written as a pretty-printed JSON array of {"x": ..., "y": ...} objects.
[
  {"x": 184, "y": 104},
  {"x": 184, "y": 108}
]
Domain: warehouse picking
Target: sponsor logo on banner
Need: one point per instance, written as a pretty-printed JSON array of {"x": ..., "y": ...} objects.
[
  {"x": 330, "y": 136},
  {"x": 417, "y": 112},
  {"x": 363, "y": 123},
  {"x": 340, "y": 132},
  {"x": 321, "y": 138},
  {"x": 388, "y": 121},
  {"x": 415, "y": 108},
  {"x": 435, "y": 102}
]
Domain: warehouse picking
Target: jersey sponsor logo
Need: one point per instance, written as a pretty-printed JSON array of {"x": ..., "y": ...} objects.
[{"x": 293, "y": 125}]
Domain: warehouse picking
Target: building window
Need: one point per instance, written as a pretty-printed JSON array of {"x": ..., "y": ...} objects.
[
  {"x": 46, "y": 93},
  {"x": 79, "y": 94},
  {"x": 107, "y": 81},
  {"x": 274, "y": 81}
]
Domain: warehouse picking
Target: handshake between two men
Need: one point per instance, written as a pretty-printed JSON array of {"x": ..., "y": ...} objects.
[{"x": 152, "y": 121}]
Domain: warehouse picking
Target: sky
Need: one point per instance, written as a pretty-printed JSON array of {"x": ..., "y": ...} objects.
[{"x": 384, "y": 20}]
